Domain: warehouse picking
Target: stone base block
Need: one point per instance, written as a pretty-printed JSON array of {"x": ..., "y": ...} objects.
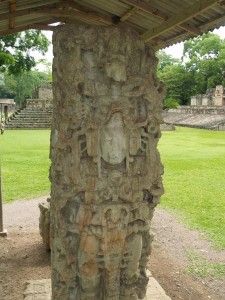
[
  {"x": 3, "y": 233},
  {"x": 38, "y": 290},
  {"x": 41, "y": 290},
  {"x": 155, "y": 291}
]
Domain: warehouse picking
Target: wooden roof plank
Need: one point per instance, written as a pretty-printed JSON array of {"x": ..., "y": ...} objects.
[
  {"x": 184, "y": 15},
  {"x": 27, "y": 11},
  {"x": 163, "y": 16},
  {"x": 214, "y": 23},
  {"x": 165, "y": 24},
  {"x": 75, "y": 14},
  {"x": 129, "y": 13},
  {"x": 147, "y": 8}
]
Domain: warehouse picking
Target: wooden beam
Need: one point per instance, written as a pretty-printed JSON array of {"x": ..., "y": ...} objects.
[
  {"x": 179, "y": 18},
  {"x": 75, "y": 14},
  {"x": 169, "y": 42},
  {"x": 84, "y": 9},
  {"x": 190, "y": 28},
  {"x": 27, "y": 11},
  {"x": 128, "y": 14},
  {"x": 37, "y": 26},
  {"x": 14, "y": 30},
  {"x": 42, "y": 27},
  {"x": 76, "y": 6},
  {"x": 6, "y": 16},
  {"x": 50, "y": 10},
  {"x": 148, "y": 8},
  {"x": 12, "y": 8}
]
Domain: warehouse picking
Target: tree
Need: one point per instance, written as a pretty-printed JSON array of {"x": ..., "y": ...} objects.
[
  {"x": 15, "y": 50},
  {"x": 21, "y": 87},
  {"x": 170, "y": 103},
  {"x": 205, "y": 60},
  {"x": 7, "y": 88},
  {"x": 174, "y": 75},
  {"x": 165, "y": 60},
  {"x": 202, "y": 67}
]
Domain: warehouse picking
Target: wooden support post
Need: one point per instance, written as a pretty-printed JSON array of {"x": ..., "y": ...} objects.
[{"x": 2, "y": 232}]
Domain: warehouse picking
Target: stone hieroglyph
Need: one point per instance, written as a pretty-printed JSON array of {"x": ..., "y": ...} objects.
[{"x": 106, "y": 170}]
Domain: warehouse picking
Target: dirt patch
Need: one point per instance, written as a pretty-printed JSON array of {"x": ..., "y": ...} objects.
[
  {"x": 172, "y": 243},
  {"x": 23, "y": 256}
]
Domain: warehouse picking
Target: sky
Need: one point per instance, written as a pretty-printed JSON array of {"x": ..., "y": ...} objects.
[{"x": 175, "y": 50}]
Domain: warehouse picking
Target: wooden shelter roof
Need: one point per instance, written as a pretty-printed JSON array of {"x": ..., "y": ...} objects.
[{"x": 161, "y": 23}]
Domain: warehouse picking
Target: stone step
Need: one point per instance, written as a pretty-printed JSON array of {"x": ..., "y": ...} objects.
[
  {"x": 29, "y": 127},
  {"x": 30, "y": 118},
  {"x": 35, "y": 110},
  {"x": 28, "y": 123},
  {"x": 34, "y": 113}
]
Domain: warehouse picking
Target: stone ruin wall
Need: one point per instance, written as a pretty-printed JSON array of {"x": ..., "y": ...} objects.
[
  {"x": 212, "y": 103},
  {"x": 43, "y": 92},
  {"x": 42, "y": 97},
  {"x": 211, "y": 110},
  {"x": 106, "y": 170},
  {"x": 213, "y": 97},
  {"x": 7, "y": 107}
]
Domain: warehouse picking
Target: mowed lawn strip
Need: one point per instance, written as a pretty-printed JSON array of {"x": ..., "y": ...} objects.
[
  {"x": 194, "y": 180},
  {"x": 25, "y": 164}
]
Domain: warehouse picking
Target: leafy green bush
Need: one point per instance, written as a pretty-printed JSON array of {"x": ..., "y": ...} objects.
[{"x": 170, "y": 103}]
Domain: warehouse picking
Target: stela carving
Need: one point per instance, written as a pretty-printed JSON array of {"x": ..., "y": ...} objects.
[{"x": 106, "y": 170}]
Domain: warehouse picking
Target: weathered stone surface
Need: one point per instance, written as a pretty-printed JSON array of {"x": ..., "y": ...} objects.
[
  {"x": 43, "y": 91},
  {"x": 3, "y": 233},
  {"x": 155, "y": 291},
  {"x": 44, "y": 223},
  {"x": 41, "y": 97},
  {"x": 106, "y": 170},
  {"x": 167, "y": 127},
  {"x": 38, "y": 290}
]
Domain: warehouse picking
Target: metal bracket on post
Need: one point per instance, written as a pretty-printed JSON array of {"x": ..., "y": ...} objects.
[{"x": 2, "y": 232}]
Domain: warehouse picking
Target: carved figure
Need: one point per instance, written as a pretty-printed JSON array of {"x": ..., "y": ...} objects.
[{"x": 106, "y": 171}]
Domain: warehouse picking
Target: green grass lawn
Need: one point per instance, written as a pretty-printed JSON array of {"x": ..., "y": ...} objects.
[
  {"x": 194, "y": 177},
  {"x": 194, "y": 180},
  {"x": 25, "y": 164}
]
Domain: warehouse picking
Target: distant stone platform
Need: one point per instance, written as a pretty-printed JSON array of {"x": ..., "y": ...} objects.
[
  {"x": 41, "y": 290},
  {"x": 195, "y": 120}
]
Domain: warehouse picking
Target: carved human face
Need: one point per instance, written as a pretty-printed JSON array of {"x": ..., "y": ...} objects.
[
  {"x": 113, "y": 140},
  {"x": 116, "y": 120}
]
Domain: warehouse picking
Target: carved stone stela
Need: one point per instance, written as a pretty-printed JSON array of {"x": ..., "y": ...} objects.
[{"x": 106, "y": 170}]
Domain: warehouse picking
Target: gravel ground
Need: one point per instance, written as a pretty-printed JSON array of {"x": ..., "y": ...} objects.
[{"x": 23, "y": 256}]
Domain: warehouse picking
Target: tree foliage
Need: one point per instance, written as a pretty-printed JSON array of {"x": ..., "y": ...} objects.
[
  {"x": 21, "y": 87},
  {"x": 16, "y": 50},
  {"x": 202, "y": 67},
  {"x": 170, "y": 103}
]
